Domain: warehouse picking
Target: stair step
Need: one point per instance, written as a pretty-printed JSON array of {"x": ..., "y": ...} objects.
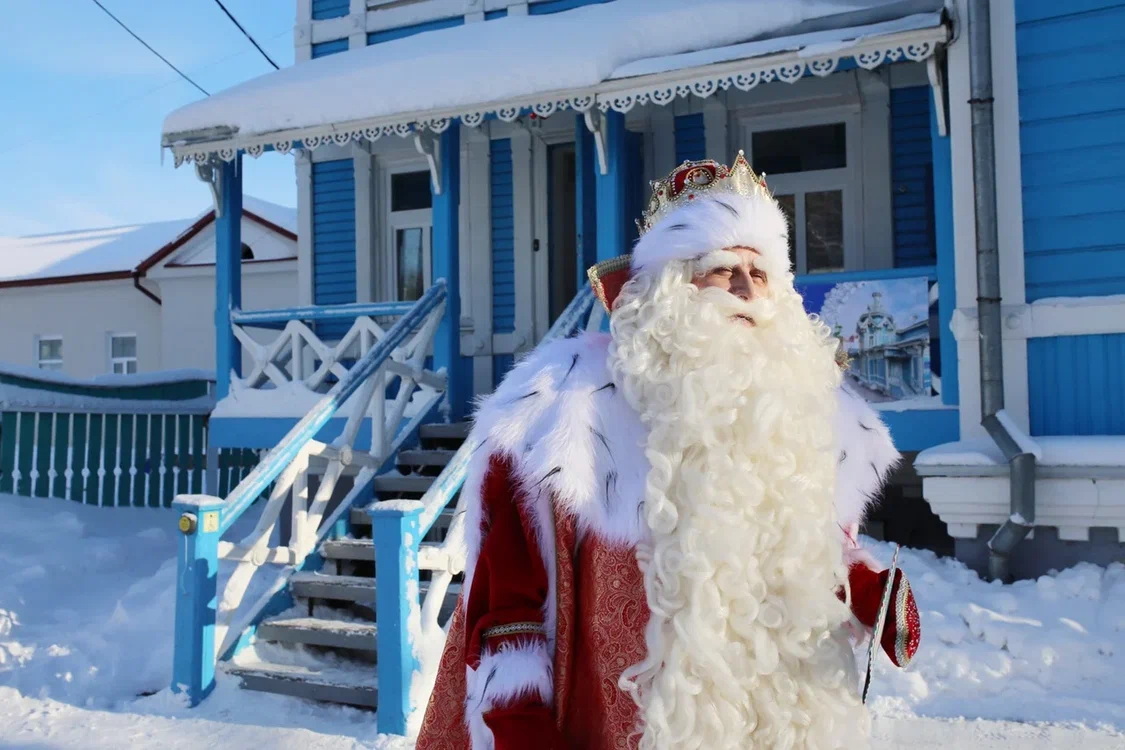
[
  {"x": 438, "y": 431},
  {"x": 358, "y": 688},
  {"x": 396, "y": 484},
  {"x": 337, "y": 588},
  {"x": 319, "y": 631},
  {"x": 430, "y": 555},
  {"x": 420, "y": 457},
  {"x": 361, "y": 518},
  {"x": 357, "y": 589}
]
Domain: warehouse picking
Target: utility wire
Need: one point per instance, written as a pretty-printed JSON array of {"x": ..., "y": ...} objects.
[
  {"x": 150, "y": 49},
  {"x": 246, "y": 33}
]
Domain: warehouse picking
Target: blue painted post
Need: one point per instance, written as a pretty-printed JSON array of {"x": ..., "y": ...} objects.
[
  {"x": 197, "y": 571},
  {"x": 943, "y": 241},
  {"x": 586, "y": 217},
  {"x": 396, "y": 534},
  {"x": 446, "y": 265},
  {"x": 228, "y": 272},
  {"x": 610, "y": 188}
]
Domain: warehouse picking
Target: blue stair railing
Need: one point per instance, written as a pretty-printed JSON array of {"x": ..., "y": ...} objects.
[
  {"x": 407, "y": 662},
  {"x": 210, "y": 623}
]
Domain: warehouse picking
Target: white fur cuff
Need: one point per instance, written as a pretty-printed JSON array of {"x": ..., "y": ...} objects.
[{"x": 515, "y": 671}]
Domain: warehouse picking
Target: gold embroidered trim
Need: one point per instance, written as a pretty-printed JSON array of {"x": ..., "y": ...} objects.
[
  {"x": 902, "y": 623},
  {"x": 606, "y": 267},
  {"x": 514, "y": 628}
]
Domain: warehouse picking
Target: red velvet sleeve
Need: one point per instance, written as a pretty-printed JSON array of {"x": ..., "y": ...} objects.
[
  {"x": 506, "y": 643},
  {"x": 902, "y": 630}
]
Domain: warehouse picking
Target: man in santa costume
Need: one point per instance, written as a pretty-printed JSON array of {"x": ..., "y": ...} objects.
[{"x": 662, "y": 521}]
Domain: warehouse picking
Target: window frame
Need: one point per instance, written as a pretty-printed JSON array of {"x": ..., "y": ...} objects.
[
  {"x": 421, "y": 218},
  {"x": 847, "y": 179},
  {"x": 39, "y": 361},
  {"x": 135, "y": 359}
]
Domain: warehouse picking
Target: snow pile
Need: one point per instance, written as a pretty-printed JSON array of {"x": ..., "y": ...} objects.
[
  {"x": 1051, "y": 649},
  {"x": 467, "y": 66},
  {"x": 86, "y": 608}
]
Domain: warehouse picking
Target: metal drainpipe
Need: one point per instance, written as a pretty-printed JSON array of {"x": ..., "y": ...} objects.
[{"x": 1021, "y": 465}]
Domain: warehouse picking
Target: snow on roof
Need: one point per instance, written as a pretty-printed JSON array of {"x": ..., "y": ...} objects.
[
  {"x": 810, "y": 44},
  {"x": 474, "y": 68},
  {"x": 110, "y": 250}
]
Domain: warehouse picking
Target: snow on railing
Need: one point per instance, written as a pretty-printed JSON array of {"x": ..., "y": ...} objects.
[
  {"x": 411, "y": 679},
  {"x": 206, "y": 628}
]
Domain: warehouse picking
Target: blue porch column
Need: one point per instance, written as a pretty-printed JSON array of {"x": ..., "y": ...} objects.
[
  {"x": 446, "y": 265},
  {"x": 197, "y": 575},
  {"x": 395, "y": 532},
  {"x": 228, "y": 271},
  {"x": 612, "y": 231},
  {"x": 943, "y": 244},
  {"x": 586, "y": 217}
]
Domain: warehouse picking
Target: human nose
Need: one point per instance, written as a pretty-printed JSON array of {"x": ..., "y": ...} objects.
[{"x": 742, "y": 286}]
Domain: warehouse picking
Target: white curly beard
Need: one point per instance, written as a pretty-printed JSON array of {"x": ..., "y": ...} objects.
[{"x": 745, "y": 642}]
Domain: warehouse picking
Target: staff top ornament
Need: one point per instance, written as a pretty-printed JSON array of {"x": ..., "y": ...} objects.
[{"x": 696, "y": 178}]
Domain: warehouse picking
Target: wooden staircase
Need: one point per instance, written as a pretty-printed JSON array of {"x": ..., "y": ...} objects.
[{"x": 324, "y": 647}]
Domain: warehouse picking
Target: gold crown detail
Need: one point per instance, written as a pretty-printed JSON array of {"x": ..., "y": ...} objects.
[{"x": 695, "y": 178}]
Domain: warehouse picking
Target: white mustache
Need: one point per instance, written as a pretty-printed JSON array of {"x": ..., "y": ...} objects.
[{"x": 761, "y": 310}]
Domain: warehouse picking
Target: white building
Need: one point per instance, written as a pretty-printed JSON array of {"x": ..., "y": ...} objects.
[{"x": 136, "y": 298}]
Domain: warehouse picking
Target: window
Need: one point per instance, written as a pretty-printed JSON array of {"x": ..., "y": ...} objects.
[
  {"x": 810, "y": 173},
  {"x": 49, "y": 353},
  {"x": 123, "y": 353},
  {"x": 247, "y": 252},
  {"x": 410, "y": 233}
]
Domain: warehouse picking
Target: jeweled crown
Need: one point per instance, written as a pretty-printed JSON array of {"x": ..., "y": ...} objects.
[{"x": 696, "y": 178}]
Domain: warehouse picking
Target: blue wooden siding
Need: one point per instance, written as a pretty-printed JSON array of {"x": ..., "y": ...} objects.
[
  {"x": 912, "y": 171},
  {"x": 386, "y": 35},
  {"x": 502, "y": 223},
  {"x": 558, "y": 6},
  {"x": 333, "y": 238},
  {"x": 322, "y": 9},
  {"x": 691, "y": 143},
  {"x": 1072, "y": 142},
  {"x": 503, "y": 238},
  {"x": 1077, "y": 385},
  {"x": 320, "y": 49},
  {"x": 490, "y": 15}
]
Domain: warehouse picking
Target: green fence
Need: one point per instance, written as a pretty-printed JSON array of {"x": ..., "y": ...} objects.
[{"x": 124, "y": 441}]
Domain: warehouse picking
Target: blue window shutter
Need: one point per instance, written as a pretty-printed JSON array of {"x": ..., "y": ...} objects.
[
  {"x": 322, "y": 9},
  {"x": 321, "y": 49},
  {"x": 491, "y": 15},
  {"x": 502, "y": 223},
  {"x": 691, "y": 144},
  {"x": 912, "y": 171},
  {"x": 386, "y": 35},
  {"x": 333, "y": 239}
]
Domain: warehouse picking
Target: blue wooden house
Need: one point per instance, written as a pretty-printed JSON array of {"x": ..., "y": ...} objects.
[{"x": 460, "y": 164}]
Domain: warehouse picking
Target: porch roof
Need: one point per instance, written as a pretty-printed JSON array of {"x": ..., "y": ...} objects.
[{"x": 608, "y": 56}]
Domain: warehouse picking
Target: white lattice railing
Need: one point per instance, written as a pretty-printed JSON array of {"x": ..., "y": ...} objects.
[
  {"x": 297, "y": 355},
  {"x": 205, "y": 630}
]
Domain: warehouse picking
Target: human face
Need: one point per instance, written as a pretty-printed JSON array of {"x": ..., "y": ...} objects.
[{"x": 741, "y": 277}]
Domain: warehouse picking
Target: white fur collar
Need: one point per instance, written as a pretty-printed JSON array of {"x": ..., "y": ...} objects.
[{"x": 576, "y": 440}]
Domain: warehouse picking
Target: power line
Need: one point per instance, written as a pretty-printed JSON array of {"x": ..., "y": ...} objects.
[
  {"x": 149, "y": 48},
  {"x": 246, "y": 33}
]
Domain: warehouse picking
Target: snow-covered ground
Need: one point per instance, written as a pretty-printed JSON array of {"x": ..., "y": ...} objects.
[{"x": 86, "y": 599}]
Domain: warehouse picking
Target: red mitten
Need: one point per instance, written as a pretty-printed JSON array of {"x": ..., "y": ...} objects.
[
  {"x": 524, "y": 726},
  {"x": 902, "y": 632}
]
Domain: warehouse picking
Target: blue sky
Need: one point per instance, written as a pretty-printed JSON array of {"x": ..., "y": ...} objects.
[{"x": 81, "y": 105}]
